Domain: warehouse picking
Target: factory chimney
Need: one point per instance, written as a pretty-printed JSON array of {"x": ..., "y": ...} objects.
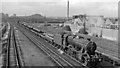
[{"x": 68, "y": 10}]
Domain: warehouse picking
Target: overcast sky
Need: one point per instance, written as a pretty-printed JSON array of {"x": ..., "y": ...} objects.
[{"x": 107, "y": 8}]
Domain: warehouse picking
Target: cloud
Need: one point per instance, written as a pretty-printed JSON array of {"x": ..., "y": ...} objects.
[
  {"x": 96, "y": 8},
  {"x": 58, "y": 7}
]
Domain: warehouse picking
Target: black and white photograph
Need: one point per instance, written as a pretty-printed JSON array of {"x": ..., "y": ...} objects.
[{"x": 59, "y": 34}]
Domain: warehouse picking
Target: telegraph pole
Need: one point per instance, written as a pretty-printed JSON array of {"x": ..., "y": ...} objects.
[
  {"x": 68, "y": 10},
  {"x": 84, "y": 16}
]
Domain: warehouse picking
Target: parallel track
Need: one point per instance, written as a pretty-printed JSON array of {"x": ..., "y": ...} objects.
[
  {"x": 51, "y": 53},
  {"x": 113, "y": 59},
  {"x": 12, "y": 55},
  {"x": 69, "y": 58},
  {"x": 16, "y": 51},
  {"x": 59, "y": 60},
  {"x": 8, "y": 50}
]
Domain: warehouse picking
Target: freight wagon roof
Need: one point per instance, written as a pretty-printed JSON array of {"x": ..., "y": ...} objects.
[
  {"x": 53, "y": 30},
  {"x": 49, "y": 29}
]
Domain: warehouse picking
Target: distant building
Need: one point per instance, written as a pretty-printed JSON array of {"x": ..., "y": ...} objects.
[
  {"x": 76, "y": 23},
  {"x": 7, "y": 15},
  {"x": 108, "y": 22},
  {"x": 111, "y": 23},
  {"x": 95, "y": 24},
  {"x": 86, "y": 21},
  {"x": 3, "y": 17},
  {"x": 14, "y": 15},
  {"x": 115, "y": 26},
  {"x": 100, "y": 22}
]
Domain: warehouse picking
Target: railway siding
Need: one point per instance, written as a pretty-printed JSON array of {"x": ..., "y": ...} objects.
[
  {"x": 40, "y": 44},
  {"x": 105, "y": 46},
  {"x": 32, "y": 56},
  {"x": 48, "y": 46}
]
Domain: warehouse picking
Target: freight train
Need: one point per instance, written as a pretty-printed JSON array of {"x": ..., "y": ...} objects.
[{"x": 78, "y": 47}]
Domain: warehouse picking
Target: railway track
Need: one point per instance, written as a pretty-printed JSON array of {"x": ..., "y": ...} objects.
[
  {"x": 61, "y": 60},
  {"x": 45, "y": 42},
  {"x": 12, "y": 56},
  {"x": 113, "y": 59},
  {"x": 69, "y": 58}
]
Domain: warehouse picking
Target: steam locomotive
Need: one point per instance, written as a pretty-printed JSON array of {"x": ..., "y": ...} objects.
[{"x": 80, "y": 48}]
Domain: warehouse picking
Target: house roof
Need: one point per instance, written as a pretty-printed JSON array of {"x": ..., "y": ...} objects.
[
  {"x": 96, "y": 20},
  {"x": 108, "y": 21},
  {"x": 116, "y": 23},
  {"x": 112, "y": 20},
  {"x": 100, "y": 21}
]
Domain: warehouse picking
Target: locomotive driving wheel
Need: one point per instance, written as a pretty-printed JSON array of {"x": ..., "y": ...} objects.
[{"x": 84, "y": 59}]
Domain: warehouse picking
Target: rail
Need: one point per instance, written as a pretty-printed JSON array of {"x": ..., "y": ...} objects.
[{"x": 55, "y": 56}]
